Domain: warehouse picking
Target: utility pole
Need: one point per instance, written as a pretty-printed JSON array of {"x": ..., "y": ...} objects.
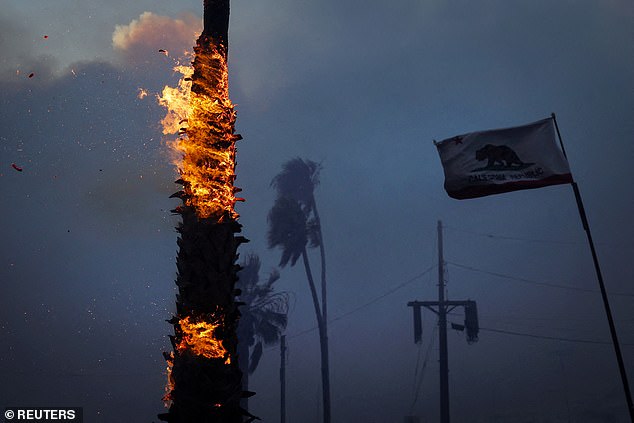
[
  {"x": 442, "y": 307},
  {"x": 283, "y": 379},
  {"x": 442, "y": 334}
]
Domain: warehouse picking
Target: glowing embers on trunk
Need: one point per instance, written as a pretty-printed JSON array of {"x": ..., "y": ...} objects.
[
  {"x": 195, "y": 336},
  {"x": 169, "y": 387},
  {"x": 200, "y": 111},
  {"x": 198, "y": 337}
]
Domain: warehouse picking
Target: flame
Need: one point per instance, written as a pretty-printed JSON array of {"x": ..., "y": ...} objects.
[
  {"x": 200, "y": 111},
  {"x": 198, "y": 337},
  {"x": 176, "y": 100},
  {"x": 169, "y": 387}
]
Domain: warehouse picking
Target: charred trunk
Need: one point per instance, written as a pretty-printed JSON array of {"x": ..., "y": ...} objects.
[
  {"x": 216, "y": 21},
  {"x": 205, "y": 378}
]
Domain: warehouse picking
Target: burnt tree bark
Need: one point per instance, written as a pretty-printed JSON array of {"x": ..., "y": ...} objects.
[{"x": 207, "y": 390}]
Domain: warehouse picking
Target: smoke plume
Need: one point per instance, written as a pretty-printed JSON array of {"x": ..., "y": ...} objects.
[{"x": 153, "y": 35}]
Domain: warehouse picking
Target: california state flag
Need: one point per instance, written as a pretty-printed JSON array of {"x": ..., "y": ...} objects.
[{"x": 502, "y": 160}]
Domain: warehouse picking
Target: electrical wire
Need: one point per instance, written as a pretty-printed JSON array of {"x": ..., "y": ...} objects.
[
  {"x": 390, "y": 292},
  {"x": 418, "y": 383},
  {"x": 546, "y": 284},
  {"x": 534, "y": 240},
  {"x": 554, "y": 338},
  {"x": 364, "y": 305},
  {"x": 513, "y": 238}
]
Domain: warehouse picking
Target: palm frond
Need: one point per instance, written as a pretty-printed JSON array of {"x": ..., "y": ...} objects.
[
  {"x": 268, "y": 332},
  {"x": 264, "y": 314},
  {"x": 256, "y": 355},
  {"x": 287, "y": 229},
  {"x": 298, "y": 180},
  {"x": 274, "y": 276},
  {"x": 248, "y": 277},
  {"x": 313, "y": 233}
]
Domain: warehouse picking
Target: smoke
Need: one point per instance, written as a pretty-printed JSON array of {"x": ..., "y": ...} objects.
[{"x": 141, "y": 39}]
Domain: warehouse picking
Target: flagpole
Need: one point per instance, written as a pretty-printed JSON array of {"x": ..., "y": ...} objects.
[{"x": 604, "y": 295}]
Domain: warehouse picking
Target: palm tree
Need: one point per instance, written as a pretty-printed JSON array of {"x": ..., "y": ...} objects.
[
  {"x": 294, "y": 225},
  {"x": 264, "y": 317},
  {"x": 204, "y": 377}
]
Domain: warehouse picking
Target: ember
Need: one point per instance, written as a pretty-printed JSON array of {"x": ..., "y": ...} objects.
[
  {"x": 167, "y": 398},
  {"x": 199, "y": 338}
]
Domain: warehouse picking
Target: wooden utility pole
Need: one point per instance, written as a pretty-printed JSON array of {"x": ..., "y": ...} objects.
[
  {"x": 443, "y": 306},
  {"x": 442, "y": 334}
]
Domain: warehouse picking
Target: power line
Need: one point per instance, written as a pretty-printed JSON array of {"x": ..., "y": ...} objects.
[
  {"x": 508, "y": 317},
  {"x": 534, "y": 240},
  {"x": 514, "y": 238},
  {"x": 369, "y": 303},
  {"x": 390, "y": 292},
  {"x": 554, "y": 338},
  {"x": 418, "y": 381},
  {"x": 549, "y": 285}
]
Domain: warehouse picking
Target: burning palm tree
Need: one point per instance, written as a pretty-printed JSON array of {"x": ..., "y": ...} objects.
[
  {"x": 264, "y": 317},
  {"x": 204, "y": 379}
]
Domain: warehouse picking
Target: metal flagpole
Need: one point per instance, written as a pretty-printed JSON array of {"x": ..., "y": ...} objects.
[{"x": 604, "y": 294}]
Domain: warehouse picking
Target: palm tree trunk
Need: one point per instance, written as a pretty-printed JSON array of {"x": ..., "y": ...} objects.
[
  {"x": 324, "y": 312},
  {"x": 323, "y": 340},
  {"x": 322, "y": 253},
  {"x": 205, "y": 374}
]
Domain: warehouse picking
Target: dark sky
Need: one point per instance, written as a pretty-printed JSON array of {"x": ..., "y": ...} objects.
[{"x": 87, "y": 260}]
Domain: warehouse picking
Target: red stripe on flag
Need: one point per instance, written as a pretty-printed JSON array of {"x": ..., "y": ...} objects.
[{"x": 475, "y": 191}]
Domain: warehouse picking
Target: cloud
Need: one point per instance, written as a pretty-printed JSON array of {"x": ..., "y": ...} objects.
[{"x": 141, "y": 39}]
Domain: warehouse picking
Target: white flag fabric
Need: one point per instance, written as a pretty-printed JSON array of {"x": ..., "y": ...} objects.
[{"x": 502, "y": 160}]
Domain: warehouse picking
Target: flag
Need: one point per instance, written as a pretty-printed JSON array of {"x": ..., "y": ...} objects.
[{"x": 502, "y": 160}]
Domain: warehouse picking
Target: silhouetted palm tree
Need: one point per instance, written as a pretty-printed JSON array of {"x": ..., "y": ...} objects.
[
  {"x": 294, "y": 225},
  {"x": 264, "y": 316}
]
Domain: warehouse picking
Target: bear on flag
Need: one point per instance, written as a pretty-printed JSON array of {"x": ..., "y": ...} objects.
[{"x": 502, "y": 160}]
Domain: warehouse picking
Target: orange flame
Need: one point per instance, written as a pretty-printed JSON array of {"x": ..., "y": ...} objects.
[
  {"x": 167, "y": 398},
  {"x": 204, "y": 118},
  {"x": 198, "y": 337}
]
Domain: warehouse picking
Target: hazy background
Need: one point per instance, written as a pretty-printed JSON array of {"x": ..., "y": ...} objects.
[{"x": 88, "y": 247}]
